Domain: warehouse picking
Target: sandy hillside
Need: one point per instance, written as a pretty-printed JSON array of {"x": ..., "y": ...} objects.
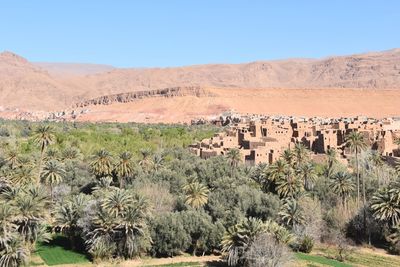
[
  {"x": 371, "y": 70},
  {"x": 300, "y": 102},
  {"x": 24, "y": 85},
  {"x": 73, "y": 69},
  {"x": 370, "y": 86}
]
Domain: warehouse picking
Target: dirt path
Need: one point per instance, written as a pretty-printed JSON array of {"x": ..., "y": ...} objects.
[{"x": 161, "y": 261}]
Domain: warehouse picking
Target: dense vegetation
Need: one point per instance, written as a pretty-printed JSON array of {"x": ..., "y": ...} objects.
[{"x": 120, "y": 191}]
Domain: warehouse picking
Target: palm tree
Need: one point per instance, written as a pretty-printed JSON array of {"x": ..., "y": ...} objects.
[
  {"x": 397, "y": 166},
  {"x": 386, "y": 205},
  {"x": 119, "y": 226},
  {"x": 25, "y": 161},
  {"x": 288, "y": 156},
  {"x": 301, "y": 154},
  {"x": 234, "y": 157},
  {"x": 291, "y": 213},
  {"x": 117, "y": 202},
  {"x": 23, "y": 175},
  {"x": 288, "y": 185},
  {"x": 308, "y": 174},
  {"x": 10, "y": 194},
  {"x": 158, "y": 161},
  {"x": 260, "y": 174},
  {"x": 342, "y": 184},
  {"x": 133, "y": 225},
  {"x": 277, "y": 170},
  {"x": 99, "y": 240},
  {"x": 7, "y": 227},
  {"x": 51, "y": 154},
  {"x": 280, "y": 233},
  {"x": 146, "y": 163},
  {"x": 103, "y": 185},
  {"x": 196, "y": 194},
  {"x": 355, "y": 140},
  {"x": 331, "y": 154},
  {"x": 377, "y": 160},
  {"x": 15, "y": 254},
  {"x": 44, "y": 136},
  {"x": 394, "y": 237},
  {"x": 237, "y": 239},
  {"x": 102, "y": 164},
  {"x": 70, "y": 153},
  {"x": 12, "y": 158},
  {"x": 30, "y": 213},
  {"x": 52, "y": 174},
  {"x": 37, "y": 192},
  {"x": 68, "y": 214},
  {"x": 124, "y": 167}
]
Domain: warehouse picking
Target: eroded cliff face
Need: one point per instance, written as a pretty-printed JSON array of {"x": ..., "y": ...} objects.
[{"x": 132, "y": 96}]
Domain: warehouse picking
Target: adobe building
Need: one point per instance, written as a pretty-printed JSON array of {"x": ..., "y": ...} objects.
[{"x": 263, "y": 139}]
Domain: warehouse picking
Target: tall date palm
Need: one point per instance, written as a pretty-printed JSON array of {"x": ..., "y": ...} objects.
[
  {"x": 196, "y": 194},
  {"x": 386, "y": 205},
  {"x": 102, "y": 164},
  {"x": 52, "y": 174},
  {"x": 234, "y": 157},
  {"x": 124, "y": 167},
  {"x": 342, "y": 184},
  {"x": 44, "y": 136},
  {"x": 356, "y": 142}
]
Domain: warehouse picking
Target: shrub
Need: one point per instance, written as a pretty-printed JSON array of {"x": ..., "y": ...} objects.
[
  {"x": 101, "y": 250},
  {"x": 343, "y": 248},
  {"x": 4, "y": 132},
  {"x": 168, "y": 235},
  {"x": 394, "y": 248},
  {"x": 306, "y": 244},
  {"x": 266, "y": 251},
  {"x": 372, "y": 231}
]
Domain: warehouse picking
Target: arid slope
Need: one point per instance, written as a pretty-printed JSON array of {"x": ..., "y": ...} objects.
[
  {"x": 297, "y": 102},
  {"x": 294, "y": 86},
  {"x": 371, "y": 70}
]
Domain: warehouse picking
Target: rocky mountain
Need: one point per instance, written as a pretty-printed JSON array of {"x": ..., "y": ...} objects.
[
  {"x": 73, "y": 69},
  {"x": 54, "y": 86},
  {"x": 24, "y": 85},
  {"x": 371, "y": 70}
]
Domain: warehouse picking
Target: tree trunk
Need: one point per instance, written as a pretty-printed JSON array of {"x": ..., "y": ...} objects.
[
  {"x": 121, "y": 182},
  {"x": 358, "y": 180},
  {"x": 344, "y": 203},
  {"x": 364, "y": 205},
  {"x": 195, "y": 248},
  {"x": 72, "y": 240},
  {"x": 378, "y": 176},
  {"x": 40, "y": 166}
]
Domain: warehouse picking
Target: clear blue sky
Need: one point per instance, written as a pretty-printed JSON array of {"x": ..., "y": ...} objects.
[{"x": 173, "y": 33}]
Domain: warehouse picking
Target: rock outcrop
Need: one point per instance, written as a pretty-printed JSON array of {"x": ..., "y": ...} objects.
[{"x": 132, "y": 96}]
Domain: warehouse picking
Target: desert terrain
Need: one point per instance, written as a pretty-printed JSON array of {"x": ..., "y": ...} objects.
[
  {"x": 364, "y": 84},
  {"x": 279, "y": 101}
]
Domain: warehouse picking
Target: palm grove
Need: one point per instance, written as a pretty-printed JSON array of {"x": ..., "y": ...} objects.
[{"x": 120, "y": 191}]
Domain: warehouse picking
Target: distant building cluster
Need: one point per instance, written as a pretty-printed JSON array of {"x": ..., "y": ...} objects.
[{"x": 263, "y": 139}]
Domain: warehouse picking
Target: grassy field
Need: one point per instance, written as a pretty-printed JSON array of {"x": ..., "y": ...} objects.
[
  {"x": 312, "y": 260},
  {"x": 57, "y": 253},
  {"x": 181, "y": 264},
  {"x": 360, "y": 256}
]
